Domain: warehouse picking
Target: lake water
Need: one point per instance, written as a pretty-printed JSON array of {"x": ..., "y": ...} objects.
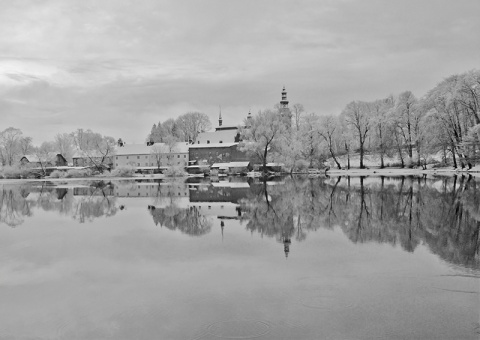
[{"x": 301, "y": 258}]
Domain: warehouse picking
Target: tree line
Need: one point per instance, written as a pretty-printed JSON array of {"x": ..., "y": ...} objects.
[
  {"x": 444, "y": 122},
  {"x": 95, "y": 147}
]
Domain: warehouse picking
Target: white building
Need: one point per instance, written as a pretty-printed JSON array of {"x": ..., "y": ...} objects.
[{"x": 150, "y": 157}]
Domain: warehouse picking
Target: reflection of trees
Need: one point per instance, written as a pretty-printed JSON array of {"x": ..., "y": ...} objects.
[
  {"x": 443, "y": 213},
  {"x": 13, "y": 206},
  {"x": 94, "y": 202},
  {"x": 19, "y": 201},
  {"x": 188, "y": 220}
]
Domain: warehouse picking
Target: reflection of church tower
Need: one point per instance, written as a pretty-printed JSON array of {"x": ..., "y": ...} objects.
[
  {"x": 286, "y": 245},
  {"x": 284, "y": 110},
  {"x": 222, "y": 225}
]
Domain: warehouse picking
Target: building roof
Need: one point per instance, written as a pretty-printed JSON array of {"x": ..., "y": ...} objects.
[
  {"x": 35, "y": 159},
  {"x": 238, "y": 164},
  {"x": 31, "y": 158},
  {"x": 220, "y": 165},
  {"x": 230, "y": 165},
  {"x": 214, "y": 145},
  {"x": 224, "y": 127},
  {"x": 144, "y": 149},
  {"x": 225, "y": 136}
]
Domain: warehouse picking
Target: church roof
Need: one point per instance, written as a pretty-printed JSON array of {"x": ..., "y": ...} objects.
[{"x": 224, "y": 136}]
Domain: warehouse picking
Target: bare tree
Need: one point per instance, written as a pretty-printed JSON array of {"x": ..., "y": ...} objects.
[
  {"x": 298, "y": 110},
  {"x": 160, "y": 151},
  {"x": 64, "y": 144},
  {"x": 381, "y": 110},
  {"x": 26, "y": 146},
  {"x": 406, "y": 116},
  {"x": 191, "y": 124},
  {"x": 357, "y": 117},
  {"x": 45, "y": 156},
  {"x": 97, "y": 149},
  {"x": 266, "y": 129},
  {"x": 10, "y": 145},
  {"x": 329, "y": 131}
]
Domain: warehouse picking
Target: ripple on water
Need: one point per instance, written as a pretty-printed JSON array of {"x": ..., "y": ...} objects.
[
  {"x": 327, "y": 302},
  {"x": 455, "y": 284},
  {"x": 239, "y": 329}
]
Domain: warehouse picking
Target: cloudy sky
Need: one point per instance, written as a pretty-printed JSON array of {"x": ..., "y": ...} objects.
[{"x": 118, "y": 66}]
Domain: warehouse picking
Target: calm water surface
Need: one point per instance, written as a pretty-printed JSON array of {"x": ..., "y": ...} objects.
[{"x": 302, "y": 258}]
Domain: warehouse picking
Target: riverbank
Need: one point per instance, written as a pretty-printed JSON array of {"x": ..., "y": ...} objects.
[
  {"x": 403, "y": 172},
  {"x": 92, "y": 178}
]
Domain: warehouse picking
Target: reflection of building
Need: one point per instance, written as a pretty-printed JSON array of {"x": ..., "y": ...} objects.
[
  {"x": 152, "y": 156},
  {"x": 93, "y": 191},
  {"x": 151, "y": 189},
  {"x": 220, "y": 192}
]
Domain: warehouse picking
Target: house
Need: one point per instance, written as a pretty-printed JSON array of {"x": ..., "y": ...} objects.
[
  {"x": 52, "y": 159},
  {"x": 152, "y": 156}
]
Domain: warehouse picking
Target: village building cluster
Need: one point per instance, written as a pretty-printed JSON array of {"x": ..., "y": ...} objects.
[{"x": 215, "y": 151}]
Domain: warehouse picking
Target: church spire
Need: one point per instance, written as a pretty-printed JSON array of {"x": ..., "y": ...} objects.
[{"x": 220, "y": 117}]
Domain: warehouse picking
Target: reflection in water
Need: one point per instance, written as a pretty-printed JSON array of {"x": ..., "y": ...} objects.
[
  {"x": 188, "y": 220},
  {"x": 443, "y": 213},
  {"x": 84, "y": 203}
]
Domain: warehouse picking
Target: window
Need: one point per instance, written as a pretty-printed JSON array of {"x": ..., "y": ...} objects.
[
  {"x": 146, "y": 157},
  {"x": 178, "y": 163},
  {"x": 198, "y": 142},
  {"x": 184, "y": 156},
  {"x": 116, "y": 164},
  {"x": 208, "y": 142},
  {"x": 127, "y": 157},
  {"x": 221, "y": 142},
  {"x": 138, "y": 164},
  {"x": 178, "y": 156},
  {"x": 116, "y": 157},
  {"x": 138, "y": 157}
]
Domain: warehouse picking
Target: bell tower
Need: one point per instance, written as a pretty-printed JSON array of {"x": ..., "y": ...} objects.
[
  {"x": 220, "y": 116},
  {"x": 284, "y": 110},
  {"x": 284, "y": 101}
]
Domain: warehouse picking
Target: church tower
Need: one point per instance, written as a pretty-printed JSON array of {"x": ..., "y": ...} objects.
[
  {"x": 284, "y": 110},
  {"x": 284, "y": 101},
  {"x": 220, "y": 117}
]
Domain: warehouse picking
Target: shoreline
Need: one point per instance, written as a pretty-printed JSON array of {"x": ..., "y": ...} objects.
[
  {"x": 402, "y": 172},
  {"x": 332, "y": 172},
  {"x": 109, "y": 178}
]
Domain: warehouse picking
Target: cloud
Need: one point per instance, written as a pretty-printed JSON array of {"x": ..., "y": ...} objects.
[{"x": 121, "y": 66}]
